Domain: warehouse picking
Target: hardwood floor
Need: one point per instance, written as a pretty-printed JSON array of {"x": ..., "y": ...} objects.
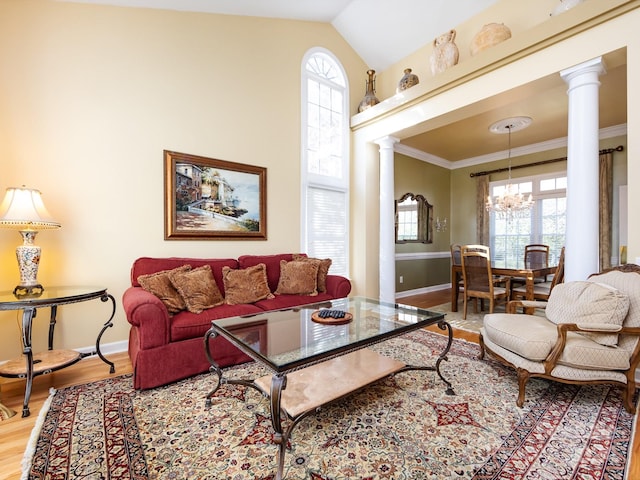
[{"x": 15, "y": 432}]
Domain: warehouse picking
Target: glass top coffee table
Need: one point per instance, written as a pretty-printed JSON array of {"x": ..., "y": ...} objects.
[{"x": 318, "y": 360}]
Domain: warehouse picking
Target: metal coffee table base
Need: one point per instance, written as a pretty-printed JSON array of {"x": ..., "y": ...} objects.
[{"x": 299, "y": 393}]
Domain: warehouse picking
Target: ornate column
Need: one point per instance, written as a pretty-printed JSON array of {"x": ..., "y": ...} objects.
[
  {"x": 581, "y": 257},
  {"x": 387, "y": 255}
]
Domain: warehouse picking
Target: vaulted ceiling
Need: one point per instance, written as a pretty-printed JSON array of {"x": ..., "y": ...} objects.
[{"x": 383, "y": 32}]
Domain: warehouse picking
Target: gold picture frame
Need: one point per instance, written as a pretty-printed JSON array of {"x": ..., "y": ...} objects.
[{"x": 207, "y": 198}]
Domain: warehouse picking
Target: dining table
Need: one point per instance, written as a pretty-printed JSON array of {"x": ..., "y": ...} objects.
[{"x": 528, "y": 274}]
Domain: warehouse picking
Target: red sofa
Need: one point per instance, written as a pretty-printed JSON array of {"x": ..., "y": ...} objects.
[{"x": 164, "y": 349}]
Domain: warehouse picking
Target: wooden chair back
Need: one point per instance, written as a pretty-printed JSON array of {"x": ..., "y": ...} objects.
[
  {"x": 536, "y": 255},
  {"x": 559, "y": 275},
  {"x": 479, "y": 282},
  {"x": 456, "y": 257},
  {"x": 476, "y": 268}
]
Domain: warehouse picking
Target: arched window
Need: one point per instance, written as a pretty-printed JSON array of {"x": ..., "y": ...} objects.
[{"x": 325, "y": 160}]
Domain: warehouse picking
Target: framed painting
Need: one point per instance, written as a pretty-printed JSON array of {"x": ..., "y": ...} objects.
[{"x": 206, "y": 198}]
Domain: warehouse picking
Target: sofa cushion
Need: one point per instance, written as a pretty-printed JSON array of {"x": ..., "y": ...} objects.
[
  {"x": 588, "y": 304},
  {"x": 186, "y": 325},
  {"x": 160, "y": 285},
  {"x": 245, "y": 285},
  {"x": 323, "y": 269},
  {"x": 298, "y": 278},
  {"x": 148, "y": 265},
  {"x": 198, "y": 288},
  {"x": 280, "y": 302},
  {"x": 272, "y": 263}
]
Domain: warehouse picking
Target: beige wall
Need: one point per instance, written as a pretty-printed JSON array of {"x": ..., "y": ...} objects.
[
  {"x": 518, "y": 15},
  {"x": 90, "y": 96}
]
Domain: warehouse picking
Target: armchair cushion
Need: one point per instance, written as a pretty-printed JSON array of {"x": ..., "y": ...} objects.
[
  {"x": 530, "y": 336},
  {"x": 589, "y": 304}
]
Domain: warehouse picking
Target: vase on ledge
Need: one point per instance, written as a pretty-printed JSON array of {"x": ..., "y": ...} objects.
[
  {"x": 369, "y": 99},
  {"x": 408, "y": 80}
]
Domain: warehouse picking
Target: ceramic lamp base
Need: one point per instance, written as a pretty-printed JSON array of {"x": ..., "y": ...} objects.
[{"x": 28, "y": 256}]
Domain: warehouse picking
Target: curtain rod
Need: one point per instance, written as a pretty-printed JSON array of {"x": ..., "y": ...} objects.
[{"x": 619, "y": 148}]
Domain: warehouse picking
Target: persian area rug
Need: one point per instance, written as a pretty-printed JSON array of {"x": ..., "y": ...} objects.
[{"x": 403, "y": 428}]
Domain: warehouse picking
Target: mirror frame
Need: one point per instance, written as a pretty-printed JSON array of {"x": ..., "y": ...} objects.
[{"x": 425, "y": 219}]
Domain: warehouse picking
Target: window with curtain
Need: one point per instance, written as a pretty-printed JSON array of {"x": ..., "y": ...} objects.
[
  {"x": 325, "y": 161},
  {"x": 545, "y": 223}
]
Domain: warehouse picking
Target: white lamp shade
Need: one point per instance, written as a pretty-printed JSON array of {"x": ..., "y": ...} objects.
[{"x": 23, "y": 209}]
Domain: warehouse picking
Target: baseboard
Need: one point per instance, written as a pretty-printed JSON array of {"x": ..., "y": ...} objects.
[
  {"x": 418, "y": 291},
  {"x": 106, "y": 348}
]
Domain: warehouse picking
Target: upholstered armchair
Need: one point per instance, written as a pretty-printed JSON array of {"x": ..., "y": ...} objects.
[{"x": 590, "y": 334}]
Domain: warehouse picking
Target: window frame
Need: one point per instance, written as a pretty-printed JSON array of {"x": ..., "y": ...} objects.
[
  {"x": 311, "y": 180},
  {"x": 500, "y": 256}
]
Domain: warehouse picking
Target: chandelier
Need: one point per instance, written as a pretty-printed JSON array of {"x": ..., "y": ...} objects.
[{"x": 510, "y": 203}]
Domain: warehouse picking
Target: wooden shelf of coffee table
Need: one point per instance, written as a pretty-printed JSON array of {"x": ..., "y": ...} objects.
[
  {"x": 43, "y": 362},
  {"x": 317, "y": 385}
]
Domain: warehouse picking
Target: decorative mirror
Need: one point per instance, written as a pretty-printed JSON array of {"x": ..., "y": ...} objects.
[{"x": 414, "y": 219}]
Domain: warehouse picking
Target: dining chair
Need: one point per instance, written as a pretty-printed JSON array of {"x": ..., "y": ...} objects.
[
  {"x": 478, "y": 280},
  {"x": 536, "y": 255},
  {"x": 541, "y": 291}
]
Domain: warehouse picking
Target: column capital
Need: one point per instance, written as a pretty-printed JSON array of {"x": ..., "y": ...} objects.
[
  {"x": 387, "y": 142},
  {"x": 595, "y": 65}
]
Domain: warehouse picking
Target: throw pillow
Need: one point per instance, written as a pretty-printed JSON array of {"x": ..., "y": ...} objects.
[
  {"x": 323, "y": 269},
  {"x": 298, "y": 278},
  {"x": 160, "y": 285},
  {"x": 588, "y": 303},
  {"x": 247, "y": 285},
  {"x": 198, "y": 288}
]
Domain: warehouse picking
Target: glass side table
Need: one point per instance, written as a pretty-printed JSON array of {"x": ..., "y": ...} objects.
[{"x": 30, "y": 365}]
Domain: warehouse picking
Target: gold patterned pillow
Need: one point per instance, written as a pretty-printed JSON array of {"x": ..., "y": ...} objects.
[
  {"x": 198, "y": 288},
  {"x": 298, "y": 278},
  {"x": 323, "y": 269},
  {"x": 160, "y": 285},
  {"x": 589, "y": 304},
  {"x": 247, "y": 285}
]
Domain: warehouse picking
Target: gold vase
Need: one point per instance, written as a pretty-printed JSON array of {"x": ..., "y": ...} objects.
[{"x": 369, "y": 99}]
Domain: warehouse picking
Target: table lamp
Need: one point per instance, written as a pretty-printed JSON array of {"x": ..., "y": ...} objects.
[{"x": 22, "y": 209}]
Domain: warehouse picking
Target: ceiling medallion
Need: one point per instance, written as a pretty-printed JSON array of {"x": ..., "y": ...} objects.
[{"x": 510, "y": 203}]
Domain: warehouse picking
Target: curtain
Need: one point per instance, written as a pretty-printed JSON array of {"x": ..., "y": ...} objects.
[
  {"x": 482, "y": 227},
  {"x": 606, "y": 201}
]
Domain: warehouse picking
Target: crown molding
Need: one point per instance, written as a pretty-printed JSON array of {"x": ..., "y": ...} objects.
[{"x": 609, "y": 132}]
